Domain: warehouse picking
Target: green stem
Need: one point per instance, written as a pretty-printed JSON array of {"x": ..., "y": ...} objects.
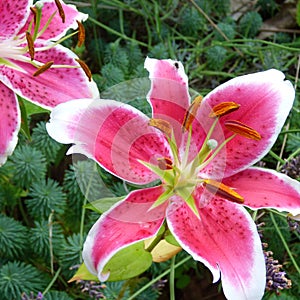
[
  {"x": 172, "y": 279},
  {"x": 146, "y": 286},
  {"x": 274, "y": 155},
  {"x": 52, "y": 282},
  {"x": 110, "y": 30},
  {"x": 284, "y": 243}
]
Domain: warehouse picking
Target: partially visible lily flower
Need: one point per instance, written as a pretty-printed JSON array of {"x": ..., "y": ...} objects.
[
  {"x": 202, "y": 153},
  {"x": 34, "y": 65}
]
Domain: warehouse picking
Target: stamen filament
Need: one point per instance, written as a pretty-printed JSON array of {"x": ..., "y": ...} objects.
[
  {"x": 41, "y": 32},
  {"x": 37, "y": 21}
]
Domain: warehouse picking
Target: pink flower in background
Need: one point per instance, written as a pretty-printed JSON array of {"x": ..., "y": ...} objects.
[
  {"x": 202, "y": 153},
  {"x": 27, "y": 36}
]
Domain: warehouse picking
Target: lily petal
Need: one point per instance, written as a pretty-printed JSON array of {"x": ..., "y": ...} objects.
[
  {"x": 115, "y": 135},
  {"x": 55, "y": 85},
  {"x": 168, "y": 95},
  {"x": 224, "y": 239},
  {"x": 9, "y": 122},
  {"x": 272, "y": 189},
  {"x": 13, "y": 15},
  {"x": 56, "y": 29},
  {"x": 114, "y": 230},
  {"x": 265, "y": 100}
]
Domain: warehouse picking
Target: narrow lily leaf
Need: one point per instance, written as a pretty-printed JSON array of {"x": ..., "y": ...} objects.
[
  {"x": 103, "y": 204},
  {"x": 32, "y": 109},
  {"x": 128, "y": 262},
  {"x": 24, "y": 119},
  {"x": 83, "y": 274}
]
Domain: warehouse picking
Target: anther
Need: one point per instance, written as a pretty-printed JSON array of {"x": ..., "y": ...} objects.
[
  {"x": 223, "y": 109},
  {"x": 163, "y": 125},
  {"x": 60, "y": 10},
  {"x": 222, "y": 190},
  {"x": 191, "y": 113},
  {"x": 165, "y": 163},
  {"x": 85, "y": 68},
  {"x": 43, "y": 68},
  {"x": 30, "y": 44},
  {"x": 242, "y": 129},
  {"x": 34, "y": 12},
  {"x": 81, "y": 34}
]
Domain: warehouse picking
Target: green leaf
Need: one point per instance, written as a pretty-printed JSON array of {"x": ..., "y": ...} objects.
[
  {"x": 24, "y": 123},
  {"x": 171, "y": 240},
  {"x": 83, "y": 274},
  {"x": 103, "y": 204},
  {"x": 33, "y": 109},
  {"x": 128, "y": 262}
]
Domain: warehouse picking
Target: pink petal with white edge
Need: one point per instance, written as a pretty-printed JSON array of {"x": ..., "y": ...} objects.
[
  {"x": 56, "y": 29},
  {"x": 263, "y": 188},
  {"x": 224, "y": 239},
  {"x": 265, "y": 100},
  {"x": 112, "y": 232},
  {"x": 54, "y": 86},
  {"x": 10, "y": 121},
  {"x": 13, "y": 15},
  {"x": 168, "y": 95},
  {"x": 114, "y": 134}
]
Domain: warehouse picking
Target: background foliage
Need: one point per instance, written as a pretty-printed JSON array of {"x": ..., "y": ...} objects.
[{"x": 43, "y": 220}]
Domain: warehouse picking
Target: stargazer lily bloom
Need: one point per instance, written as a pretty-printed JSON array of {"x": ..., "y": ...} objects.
[
  {"x": 202, "y": 153},
  {"x": 33, "y": 64}
]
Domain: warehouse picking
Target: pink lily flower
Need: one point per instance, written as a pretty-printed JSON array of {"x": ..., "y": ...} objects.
[
  {"x": 202, "y": 153},
  {"x": 27, "y": 45}
]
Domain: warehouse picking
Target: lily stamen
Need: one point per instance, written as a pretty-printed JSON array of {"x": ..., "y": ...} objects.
[
  {"x": 60, "y": 11},
  {"x": 222, "y": 190},
  {"x": 242, "y": 129},
  {"x": 30, "y": 45},
  {"x": 223, "y": 109},
  {"x": 191, "y": 113},
  {"x": 85, "y": 68},
  {"x": 163, "y": 125},
  {"x": 81, "y": 34},
  {"x": 43, "y": 68}
]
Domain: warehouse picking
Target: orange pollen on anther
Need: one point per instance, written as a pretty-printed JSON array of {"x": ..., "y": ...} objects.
[
  {"x": 242, "y": 129},
  {"x": 223, "y": 109},
  {"x": 191, "y": 113},
  {"x": 163, "y": 125},
  {"x": 165, "y": 163},
  {"x": 60, "y": 11},
  {"x": 81, "y": 34},
  {"x": 222, "y": 190},
  {"x": 34, "y": 12},
  {"x": 85, "y": 68},
  {"x": 30, "y": 45},
  {"x": 43, "y": 68}
]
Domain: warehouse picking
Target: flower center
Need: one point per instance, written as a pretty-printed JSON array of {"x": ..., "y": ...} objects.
[
  {"x": 180, "y": 176},
  {"x": 22, "y": 47}
]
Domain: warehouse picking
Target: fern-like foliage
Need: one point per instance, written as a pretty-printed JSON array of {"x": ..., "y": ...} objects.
[
  {"x": 45, "y": 197},
  {"x": 13, "y": 238},
  {"x": 216, "y": 57},
  {"x": 70, "y": 254},
  {"x": 250, "y": 24},
  {"x": 40, "y": 235},
  {"x": 18, "y": 277},
  {"x": 57, "y": 295},
  {"x": 29, "y": 165},
  {"x": 42, "y": 140}
]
